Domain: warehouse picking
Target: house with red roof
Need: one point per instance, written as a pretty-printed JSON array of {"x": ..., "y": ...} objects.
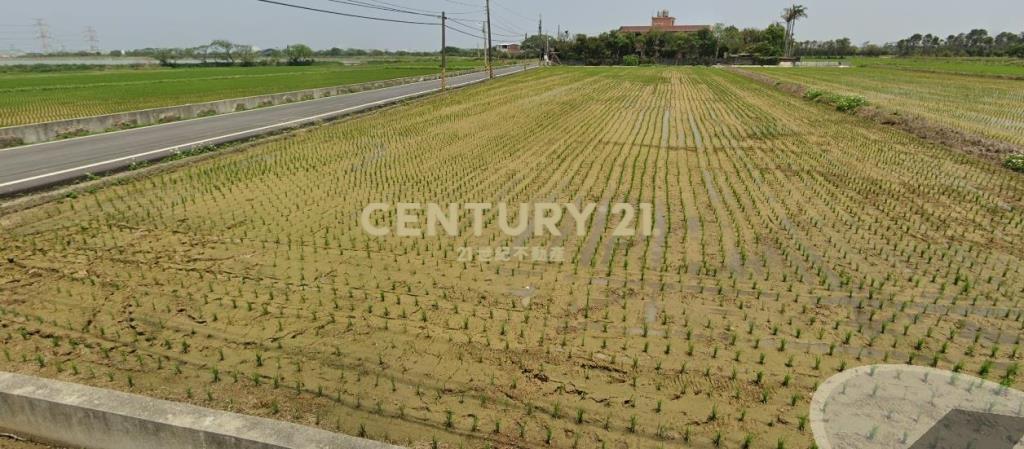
[{"x": 665, "y": 23}]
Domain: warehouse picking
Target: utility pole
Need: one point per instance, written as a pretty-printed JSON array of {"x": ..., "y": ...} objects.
[
  {"x": 43, "y": 34},
  {"x": 444, "y": 51},
  {"x": 540, "y": 32},
  {"x": 490, "y": 65},
  {"x": 90, "y": 37},
  {"x": 547, "y": 47}
]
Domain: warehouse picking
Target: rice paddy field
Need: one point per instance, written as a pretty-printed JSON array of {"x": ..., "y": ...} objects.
[
  {"x": 985, "y": 106},
  {"x": 791, "y": 242},
  {"x": 29, "y": 97},
  {"x": 994, "y": 67}
]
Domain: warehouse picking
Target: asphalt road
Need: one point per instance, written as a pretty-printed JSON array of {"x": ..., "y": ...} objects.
[{"x": 32, "y": 167}]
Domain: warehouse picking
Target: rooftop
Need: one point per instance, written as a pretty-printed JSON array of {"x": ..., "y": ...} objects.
[
  {"x": 663, "y": 22},
  {"x": 670, "y": 29}
]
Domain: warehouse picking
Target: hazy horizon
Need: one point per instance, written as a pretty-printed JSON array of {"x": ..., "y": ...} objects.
[{"x": 123, "y": 24}]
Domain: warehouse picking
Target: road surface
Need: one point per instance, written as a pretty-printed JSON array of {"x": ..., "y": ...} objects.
[{"x": 40, "y": 165}]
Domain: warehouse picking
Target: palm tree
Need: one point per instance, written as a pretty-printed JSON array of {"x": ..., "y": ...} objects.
[{"x": 791, "y": 15}]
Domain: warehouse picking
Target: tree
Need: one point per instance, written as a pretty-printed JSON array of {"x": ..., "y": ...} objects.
[
  {"x": 719, "y": 32},
  {"x": 246, "y": 55},
  {"x": 534, "y": 45},
  {"x": 224, "y": 49},
  {"x": 202, "y": 52},
  {"x": 791, "y": 15},
  {"x": 680, "y": 46},
  {"x": 168, "y": 57},
  {"x": 869, "y": 49},
  {"x": 773, "y": 41},
  {"x": 731, "y": 40},
  {"x": 707, "y": 43},
  {"x": 619, "y": 45},
  {"x": 299, "y": 54}
]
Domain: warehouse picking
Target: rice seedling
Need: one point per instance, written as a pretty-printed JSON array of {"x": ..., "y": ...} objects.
[{"x": 803, "y": 242}]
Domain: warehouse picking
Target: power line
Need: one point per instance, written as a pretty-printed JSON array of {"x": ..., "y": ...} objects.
[
  {"x": 511, "y": 11},
  {"x": 391, "y": 7},
  {"x": 384, "y": 8},
  {"x": 516, "y": 35},
  {"x": 357, "y": 16},
  {"x": 454, "y": 2},
  {"x": 463, "y": 31},
  {"x": 410, "y": 8},
  {"x": 508, "y": 28},
  {"x": 474, "y": 36}
]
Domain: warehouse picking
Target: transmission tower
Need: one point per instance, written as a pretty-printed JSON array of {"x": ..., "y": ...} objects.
[
  {"x": 90, "y": 37},
  {"x": 43, "y": 34}
]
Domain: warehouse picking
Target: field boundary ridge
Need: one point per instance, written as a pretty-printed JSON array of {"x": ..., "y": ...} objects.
[{"x": 971, "y": 144}]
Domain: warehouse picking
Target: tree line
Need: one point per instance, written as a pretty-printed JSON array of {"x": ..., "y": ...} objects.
[
  {"x": 724, "y": 43},
  {"x": 701, "y": 47},
  {"x": 226, "y": 53},
  {"x": 977, "y": 42}
]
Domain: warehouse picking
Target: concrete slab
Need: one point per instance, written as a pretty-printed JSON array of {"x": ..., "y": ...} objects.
[{"x": 73, "y": 415}]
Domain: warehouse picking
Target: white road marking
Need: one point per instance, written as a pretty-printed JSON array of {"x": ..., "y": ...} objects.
[{"x": 262, "y": 128}]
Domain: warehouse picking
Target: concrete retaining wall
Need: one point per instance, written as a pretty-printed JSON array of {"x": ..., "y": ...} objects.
[
  {"x": 42, "y": 132},
  {"x": 72, "y": 415}
]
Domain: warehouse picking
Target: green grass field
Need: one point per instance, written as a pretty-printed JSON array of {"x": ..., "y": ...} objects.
[
  {"x": 993, "y": 67},
  {"x": 981, "y": 105},
  {"x": 999, "y": 67},
  {"x": 41, "y": 97}
]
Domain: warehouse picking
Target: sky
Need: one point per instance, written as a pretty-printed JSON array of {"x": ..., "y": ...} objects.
[{"x": 125, "y": 24}]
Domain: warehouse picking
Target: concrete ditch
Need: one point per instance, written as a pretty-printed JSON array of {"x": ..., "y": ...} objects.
[{"x": 71, "y": 415}]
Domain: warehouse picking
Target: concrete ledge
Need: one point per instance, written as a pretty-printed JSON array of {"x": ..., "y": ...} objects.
[
  {"x": 42, "y": 132},
  {"x": 61, "y": 413}
]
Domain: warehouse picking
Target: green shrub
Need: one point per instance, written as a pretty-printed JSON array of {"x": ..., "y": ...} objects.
[
  {"x": 842, "y": 103},
  {"x": 631, "y": 60},
  {"x": 849, "y": 103},
  {"x": 1015, "y": 162},
  {"x": 814, "y": 94}
]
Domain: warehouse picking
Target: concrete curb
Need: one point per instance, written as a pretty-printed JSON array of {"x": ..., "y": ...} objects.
[
  {"x": 43, "y": 132},
  {"x": 114, "y": 165},
  {"x": 61, "y": 413}
]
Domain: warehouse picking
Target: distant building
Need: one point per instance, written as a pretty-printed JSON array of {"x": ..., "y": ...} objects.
[
  {"x": 665, "y": 23},
  {"x": 511, "y": 49}
]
